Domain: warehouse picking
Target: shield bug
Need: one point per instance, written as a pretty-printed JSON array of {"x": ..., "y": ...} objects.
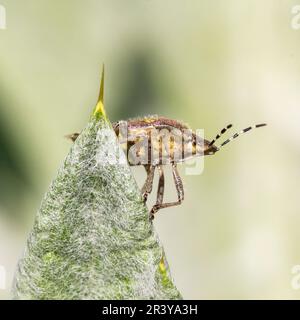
[{"x": 155, "y": 141}]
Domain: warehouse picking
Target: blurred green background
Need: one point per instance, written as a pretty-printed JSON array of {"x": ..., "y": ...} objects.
[{"x": 208, "y": 63}]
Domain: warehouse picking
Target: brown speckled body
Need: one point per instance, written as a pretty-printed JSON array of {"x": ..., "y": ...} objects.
[{"x": 171, "y": 140}]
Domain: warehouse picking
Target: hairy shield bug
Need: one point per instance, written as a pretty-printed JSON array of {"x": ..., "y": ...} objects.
[{"x": 144, "y": 136}]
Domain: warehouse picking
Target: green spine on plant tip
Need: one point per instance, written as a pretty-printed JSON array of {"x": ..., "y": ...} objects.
[
  {"x": 99, "y": 111},
  {"x": 92, "y": 237}
]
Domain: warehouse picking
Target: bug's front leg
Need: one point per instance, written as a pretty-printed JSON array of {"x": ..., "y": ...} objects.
[
  {"x": 147, "y": 188},
  {"x": 179, "y": 188}
]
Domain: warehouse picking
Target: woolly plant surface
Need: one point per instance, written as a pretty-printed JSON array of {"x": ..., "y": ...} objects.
[{"x": 92, "y": 237}]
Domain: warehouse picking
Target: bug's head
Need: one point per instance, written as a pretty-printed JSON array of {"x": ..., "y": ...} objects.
[
  {"x": 202, "y": 146},
  {"x": 209, "y": 149}
]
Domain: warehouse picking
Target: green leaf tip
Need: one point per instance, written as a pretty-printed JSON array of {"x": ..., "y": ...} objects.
[
  {"x": 99, "y": 111},
  {"x": 92, "y": 238}
]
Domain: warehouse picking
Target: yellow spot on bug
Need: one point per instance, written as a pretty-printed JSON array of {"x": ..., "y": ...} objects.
[
  {"x": 149, "y": 120},
  {"x": 99, "y": 110}
]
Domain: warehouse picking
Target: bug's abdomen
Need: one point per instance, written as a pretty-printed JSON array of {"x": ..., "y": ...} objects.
[{"x": 150, "y": 145}]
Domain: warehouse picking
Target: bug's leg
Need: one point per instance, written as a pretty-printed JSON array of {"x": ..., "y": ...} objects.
[
  {"x": 179, "y": 189},
  {"x": 160, "y": 193},
  {"x": 147, "y": 188}
]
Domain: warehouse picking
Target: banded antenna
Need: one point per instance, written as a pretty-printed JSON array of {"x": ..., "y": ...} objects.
[
  {"x": 240, "y": 133},
  {"x": 218, "y": 136}
]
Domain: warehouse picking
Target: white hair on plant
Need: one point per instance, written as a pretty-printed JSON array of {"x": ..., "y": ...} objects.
[{"x": 92, "y": 238}]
